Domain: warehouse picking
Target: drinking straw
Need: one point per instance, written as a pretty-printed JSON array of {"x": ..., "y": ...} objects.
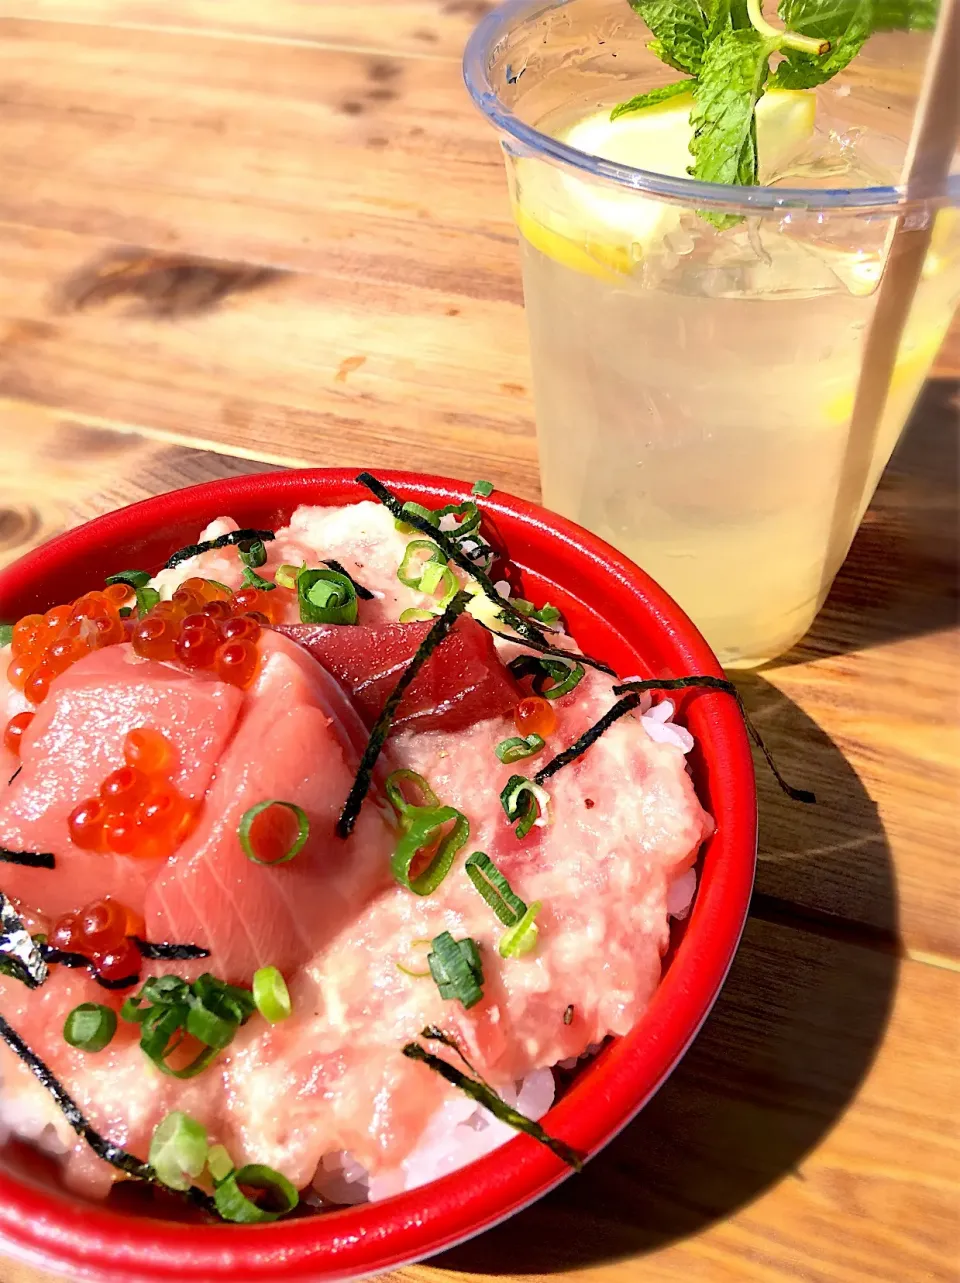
[{"x": 933, "y": 143}]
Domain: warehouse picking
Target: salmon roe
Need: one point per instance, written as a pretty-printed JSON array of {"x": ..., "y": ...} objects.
[
  {"x": 535, "y": 716},
  {"x": 13, "y": 733},
  {"x": 196, "y": 626},
  {"x": 101, "y": 933},
  {"x": 192, "y": 629},
  {"x": 44, "y": 646},
  {"x": 138, "y": 811}
]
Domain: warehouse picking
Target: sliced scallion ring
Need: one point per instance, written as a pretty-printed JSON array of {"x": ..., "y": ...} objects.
[
  {"x": 394, "y": 791},
  {"x": 178, "y": 1150},
  {"x": 552, "y": 677},
  {"x": 90, "y": 1027},
  {"x": 518, "y": 747},
  {"x": 419, "y": 554},
  {"x": 522, "y": 936},
  {"x": 495, "y": 889},
  {"x": 436, "y": 577},
  {"x": 524, "y": 802},
  {"x": 219, "y": 1163},
  {"x": 246, "y": 824},
  {"x": 423, "y": 829},
  {"x": 326, "y": 597},
  {"x": 233, "y": 1204},
  {"x": 271, "y": 995},
  {"x": 456, "y": 968},
  {"x": 414, "y": 615}
]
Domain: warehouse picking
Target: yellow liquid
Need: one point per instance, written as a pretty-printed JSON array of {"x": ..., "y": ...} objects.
[{"x": 694, "y": 410}]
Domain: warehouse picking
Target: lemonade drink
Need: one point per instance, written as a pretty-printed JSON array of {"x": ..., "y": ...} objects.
[{"x": 694, "y": 386}]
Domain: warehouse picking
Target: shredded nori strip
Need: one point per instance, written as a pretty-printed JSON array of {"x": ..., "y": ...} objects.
[
  {"x": 568, "y": 1015},
  {"x": 580, "y": 746},
  {"x": 20, "y": 955},
  {"x": 76, "y": 960},
  {"x": 721, "y": 684},
  {"x": 105, "y": 1149},
  {"x": 15, "y": 774},
  {"x": 363, "y": 593},
  {"x": 169, "y": 952},
  {"x": 485, "y": 1095},
  {"x": 544, "y": 648},
  {"x": 222, "y": 541},
  {"x": 530, "y": 632},
  {"x": 437, "y": 634},
  {"x": 29, "y": 859}
]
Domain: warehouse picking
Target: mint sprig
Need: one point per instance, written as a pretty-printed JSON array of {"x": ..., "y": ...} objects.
[{"x": 725, "y": 47}]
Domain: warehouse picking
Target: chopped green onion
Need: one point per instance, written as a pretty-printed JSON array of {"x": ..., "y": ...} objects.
[
  {"x": 233, "y": 1204},
  {"x": 563, "y": 676},
  {"x": 413, "y": 615},
  {"x": 219, "y": 1163},
  {"x": 422, "y": 829},
  {"x": 495, "y": 889},
  {"x": 6, "y": 634},
  {"x": 394, "y": 792},
  {"x": 518, "y": 747},
  {"x": 523, "y": 802},
  {"x": 482, "y": 488},
  {"x": 326, "y": 597},
  {"x": 545, "y": 615},
  {"x": 252, "y": 553},
  {"x": 436, "y": 576},
  {"x": 299, "y": 842},
  {"x": 147, "y": 598},
  {"x": 167, "y": 1007},
  {"x": 408, "y": 971},
  {"x": 252, "y": 580},
  {"x": 411, "y": 570},
  {"x": 484, "y": 1095},
  {"x": 90, "y": 1027},
  {"x": 271, "y": 995},
  {"x": 522, "y": 936},
  {"x": 417, "y": 510},
  {"x": 456, "y": 968},
  {"x": 286, "y": 575},
  {"x": 178, "y": 1150}
]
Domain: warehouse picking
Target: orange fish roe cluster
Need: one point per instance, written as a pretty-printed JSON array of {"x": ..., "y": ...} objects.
[
  {"x": 44, "y": 646},
  {"x": 101, "y": 932},
  {"x": 205, "y": 626},
  {"x": 138, "y": 811}
]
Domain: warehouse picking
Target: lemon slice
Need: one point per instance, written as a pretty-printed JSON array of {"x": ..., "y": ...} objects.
[{"x": 598, "y": 227}]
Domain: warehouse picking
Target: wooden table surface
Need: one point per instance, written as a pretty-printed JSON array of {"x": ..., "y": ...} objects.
[{"x": 248, "y": 233}]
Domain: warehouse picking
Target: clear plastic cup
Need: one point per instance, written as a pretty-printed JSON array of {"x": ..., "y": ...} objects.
[{"x": 693, "y": 386}]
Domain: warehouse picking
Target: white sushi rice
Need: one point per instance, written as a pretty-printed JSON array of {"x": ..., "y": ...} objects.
[{"x": 458, "y": 1133}]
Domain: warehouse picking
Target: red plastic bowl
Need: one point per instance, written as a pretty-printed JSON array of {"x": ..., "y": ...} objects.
[{"x": 616, "y": 612}]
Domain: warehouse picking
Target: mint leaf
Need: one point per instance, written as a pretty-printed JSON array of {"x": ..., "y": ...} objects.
[
  {"x": 679, "y": 28},
  {"x": 847, "y": 24},
  {"x": 731, "y": 82},
  {"x": 661, "y": 94}
]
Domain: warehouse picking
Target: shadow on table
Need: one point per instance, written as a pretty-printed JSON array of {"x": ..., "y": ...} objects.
[
  {"x": 900, "y": 577},
  {"x": 780, "y": 1058}
]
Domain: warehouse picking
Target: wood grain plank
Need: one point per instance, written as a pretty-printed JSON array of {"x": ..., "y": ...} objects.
[
  {"x": 783, "y": 1147},
  {"x": 428, "y": 28}
]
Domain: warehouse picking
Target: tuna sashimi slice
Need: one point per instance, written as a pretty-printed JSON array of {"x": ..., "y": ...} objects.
[
  {"x": 75, "y": 741},
  {"x": 461, "y": 683},
  {"x": 298, "y": 741}
]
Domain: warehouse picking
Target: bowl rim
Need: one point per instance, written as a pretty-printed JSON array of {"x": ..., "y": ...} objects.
[{"x": 53, "y": 1229}]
